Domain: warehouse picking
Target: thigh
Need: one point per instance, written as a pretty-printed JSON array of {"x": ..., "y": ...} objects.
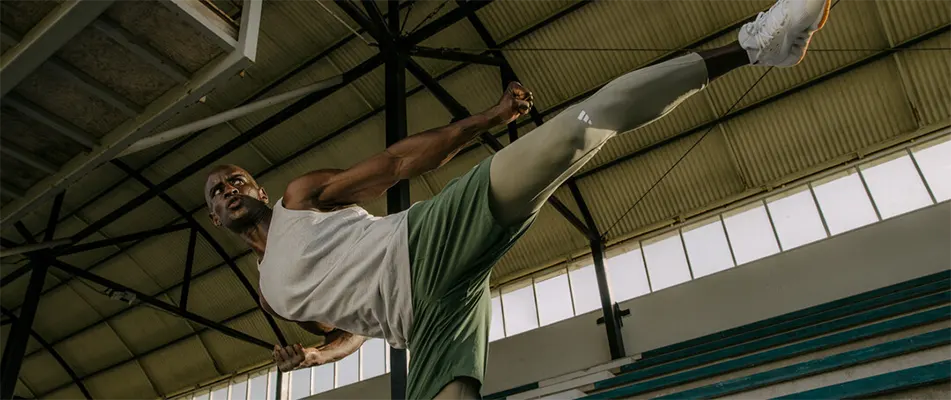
[
  {"x": 449, "y": 342},
  {"x": 454, "y": 238},
  {"x": 461, "y": 389}
]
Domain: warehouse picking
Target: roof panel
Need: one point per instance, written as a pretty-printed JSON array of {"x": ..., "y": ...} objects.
[
  {"x": 71, "y": 310},
  {"x": 41, "y": 372},
  {"x": 70, "y": 392},
  {"x": 820, "y": 123},
  {"x": 93, "y": 350},
  {"x": 232, "y": 354},
  {"x": 504, "y": 19},
  {"x": 163, "y": 257},
  {"x": 123, "y": 270},
  {"x": 190, "y": 364},
  {"x": 166, "y": 32},
  {"x": 145, "y": 328},
  {"x": 908, "y": 19},
  {"x": 135, "y": 384},
  {"x": 929, "y": 79},
  {"x": 128, "y": 75},
  {"x": 22, "y": 15},
  {"x": 93, "y": 295},
  {"x": 216, "y": 295},
  {"x": 71, "y": 103},
  {"x": 13, "y": 294}
]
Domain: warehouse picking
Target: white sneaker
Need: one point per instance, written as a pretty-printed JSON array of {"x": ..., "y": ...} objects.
[{"x": 779, "y": 37}]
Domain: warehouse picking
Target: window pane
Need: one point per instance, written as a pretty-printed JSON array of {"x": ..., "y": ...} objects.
[
  {"x": 935, "y": 164},
  {"x": 374, "y": 358},
  {"x": 554, "y": 299},
  {"x": 896, "y": 187},
  {"x": 258, "y": 390},
  {"x": 519, "y": 308},
  {"x": 239, "y": 390},
  {"x": 627, "y": 276},
  {"x": 844, "y": 203},
  {"x": 584, "y": 290},
  {"x": 497, "y": 330},
  {"x": 796, "y": 218},
  {"x": 323, "y": 378},
  {"x": 220, "y": 394},
  {"x": 348, "y": 370},
  {"x": 273, "y": 377},
  {"x": 300, "y": 383},
  {"x": 666, "y": 262},
  {"x": 751, "y": 235},
  {"x": 201, "y": 396},
  {"x": 707, "y": 248}
]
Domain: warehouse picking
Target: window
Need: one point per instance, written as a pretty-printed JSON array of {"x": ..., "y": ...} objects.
[
  {"x": 520, "y": 315},
  {"x": 584, "y": 290},
  {"x": 348, "y": 370},
  {"x": 627, "y": 276},
  {"x": 844, "y": 202},
  {"x": 220, "y": 393},
  {"x": 707, "y": 247},
  {"x": 272, "y": 377},
  {"x": 751, "y": 234},
  {"x": 300, "y": 383},
  {"x": 554, "y": 298},
  {"x": 896, "y": 186},
  {"x": 374, "y": 358},
  {"x": 258, "y": 388},
  {"x": 934, "y": 159},
  {"x": 239, "y": 390},
  {"x": 323, "y": 378},
  {"x": 666, "y": 262},
  {"x": 201, "y": 396},
  {"x": 497, "y": 330},
  {"x": 796, "y": 218}
]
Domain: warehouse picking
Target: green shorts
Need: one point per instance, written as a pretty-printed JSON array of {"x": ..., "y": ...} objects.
[{"x": 454, "y": 240}]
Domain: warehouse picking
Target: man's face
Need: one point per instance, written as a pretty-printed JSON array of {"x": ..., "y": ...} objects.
[{"x": 233, "y": 197}]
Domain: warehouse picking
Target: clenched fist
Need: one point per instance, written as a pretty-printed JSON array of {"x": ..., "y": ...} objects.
[
  {"x": 516, "y": 101},
  {"x": 295, "y": 357}
]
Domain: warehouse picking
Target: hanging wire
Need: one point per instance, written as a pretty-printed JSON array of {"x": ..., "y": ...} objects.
[
  {"x": 355, "y": 32},
  {"x": 704, "y": 135},
  {"x": 658, "y": 50},
  {"x": 428, "y": 17}
]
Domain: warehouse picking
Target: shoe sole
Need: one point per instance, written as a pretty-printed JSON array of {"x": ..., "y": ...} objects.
[{"x": 815, "y": 27}]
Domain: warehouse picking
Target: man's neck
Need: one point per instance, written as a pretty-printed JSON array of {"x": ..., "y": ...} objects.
[{"x": 256, "y": 235}]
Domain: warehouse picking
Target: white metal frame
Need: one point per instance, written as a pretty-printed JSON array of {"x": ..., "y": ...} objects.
[{"x": 205, "y": 80}]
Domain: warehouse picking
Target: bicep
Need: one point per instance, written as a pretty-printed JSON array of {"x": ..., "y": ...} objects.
[{"x": 364, "y": 181}]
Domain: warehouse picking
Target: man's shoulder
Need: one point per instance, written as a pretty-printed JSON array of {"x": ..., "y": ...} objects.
[{"x": 301, "y": 192}]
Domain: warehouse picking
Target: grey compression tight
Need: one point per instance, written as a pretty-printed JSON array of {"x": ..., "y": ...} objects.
[{"x": 524, "y": 174}]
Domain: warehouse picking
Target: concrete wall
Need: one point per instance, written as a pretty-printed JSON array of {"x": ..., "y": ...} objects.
[{"x": 896, "y": 250}]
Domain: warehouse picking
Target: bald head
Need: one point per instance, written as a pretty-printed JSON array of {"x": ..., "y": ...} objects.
[{"x": 232, "y": 195}]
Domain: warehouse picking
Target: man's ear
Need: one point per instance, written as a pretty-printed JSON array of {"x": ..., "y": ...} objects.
[
  {"x": 214, "y": 219},
  {"x": 263, "y": 195}
]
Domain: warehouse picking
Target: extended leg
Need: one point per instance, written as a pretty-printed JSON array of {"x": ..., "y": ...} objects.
[{"x": 524, "y": 174}]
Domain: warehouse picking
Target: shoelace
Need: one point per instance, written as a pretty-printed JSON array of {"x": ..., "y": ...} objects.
[{"x": 767, "y": 24}]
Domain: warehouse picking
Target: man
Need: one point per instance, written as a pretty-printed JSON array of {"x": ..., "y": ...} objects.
[{"x": 419, "y": 278}]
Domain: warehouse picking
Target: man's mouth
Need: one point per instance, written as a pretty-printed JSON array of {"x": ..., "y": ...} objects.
[{"x": 234, "y": 203}]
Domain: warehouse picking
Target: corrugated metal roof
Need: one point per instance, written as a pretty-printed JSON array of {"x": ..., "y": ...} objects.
[
  {"x": 76, "y": 313},
  {"x": 92, "y": 350},
  {"x": 41, "y": 372},
  {"x": 792, "y": 134},
  {"x": 189, "y": 362},
  {"x": 70, "y": 392},
  {"x": 135, "y": 384}
]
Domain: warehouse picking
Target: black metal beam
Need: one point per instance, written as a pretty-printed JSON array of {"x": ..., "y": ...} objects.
[
  {"x": 46, "y": 345},
  {"x": 15, "y": 348},
  {"x": 376, "y": 17},
  {"x": 6, "y": 321},
  {"x": 445, "y": 21},
  {"x": 189, "y": 262},
  {"x": 98, "y": 244},
  {"x": 454, "y": 55},
  {"x": 171, "y": 309},
  {"x": 611, "y": 318},
  {"x": 24, "y": 232},
  {"x": 248, "y": 287},
  {"x": 397, "y": 197}
]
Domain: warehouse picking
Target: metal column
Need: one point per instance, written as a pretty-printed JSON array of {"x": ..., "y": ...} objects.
[
  {"x": 397, "y": 197},
  {"x": 612, "y": 316}
]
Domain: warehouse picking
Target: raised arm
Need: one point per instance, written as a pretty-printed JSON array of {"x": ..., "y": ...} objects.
[{"x": 405, "y": 159}]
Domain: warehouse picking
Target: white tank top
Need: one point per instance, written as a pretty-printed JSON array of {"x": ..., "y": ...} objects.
[{"x": 345, "y": 268}]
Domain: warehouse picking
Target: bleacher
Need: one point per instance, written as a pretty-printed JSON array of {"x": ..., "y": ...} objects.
[{"x": 894, "y": 341}]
